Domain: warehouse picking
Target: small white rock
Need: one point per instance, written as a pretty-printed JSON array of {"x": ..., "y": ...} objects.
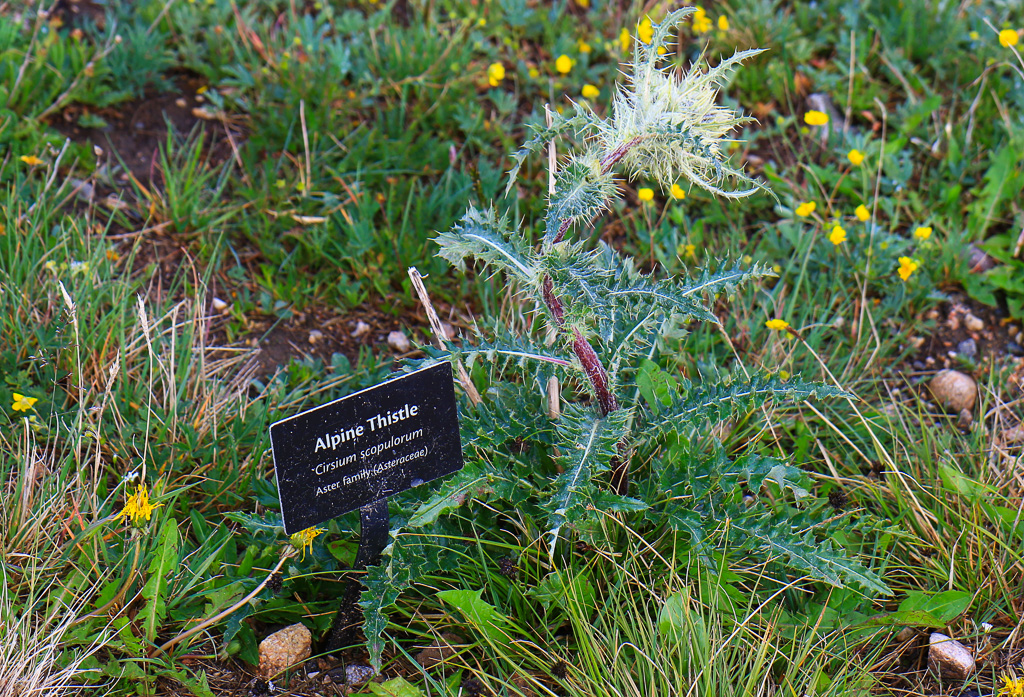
[
  {"x": 949, "y": 658},
  {"x": 449, "y": 330},
  {"x": 398, "y": 341},
  {"x": 973, "y": 324},
  {"x": 219, "y": 305},
  {"x": 284, "y": 648},
  {"x": 361, "y": 329},
  {"x": 315, "y": 336}
]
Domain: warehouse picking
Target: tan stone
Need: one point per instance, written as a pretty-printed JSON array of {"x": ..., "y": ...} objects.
[
  {"x": 954, "y": 391},
  {"x": 949, "y": 658},
  {"x": 284, "y": 648}
]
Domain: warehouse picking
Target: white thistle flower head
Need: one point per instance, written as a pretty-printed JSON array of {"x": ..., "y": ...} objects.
[{"x": 674, "y": 127}]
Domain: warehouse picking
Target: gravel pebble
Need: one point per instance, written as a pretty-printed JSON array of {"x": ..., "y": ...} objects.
[
  {"x": 361, "y": 329},
  {"x": 954, "y": 390},
  {"x": 315, "y": 336},
  {"x": 398, "y": 341},
  {"x": 968, "y": 348},
  {"x": 973, "y": 324},
  {"x": 284, "y": 648},
  {"x": 948, "y": 657}
]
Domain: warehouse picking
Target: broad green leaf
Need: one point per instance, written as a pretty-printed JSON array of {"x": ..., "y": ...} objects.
[
  {"x": 943, "y": 606},
  {"x": 395, "y": 687},
  {"x": 161, "y": 567},
  {"x": 478, "y": 613},
  {"x": 568, "y": 591}
]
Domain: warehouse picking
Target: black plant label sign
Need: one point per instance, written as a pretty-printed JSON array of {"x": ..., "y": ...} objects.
[{"x": 367, "y": 446}]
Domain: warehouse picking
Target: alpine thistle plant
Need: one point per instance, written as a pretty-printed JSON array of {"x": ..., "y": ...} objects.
[{"x": 564, "y": 424}]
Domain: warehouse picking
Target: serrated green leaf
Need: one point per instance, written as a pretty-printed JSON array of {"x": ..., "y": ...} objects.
[
  {"x": 560, "y": 124},
  {"x": 162, "y": 566},
  {"x": 484, "y": 236},
  {"x": 395, "y": 687},
  {"x": 582, "y": 190},
  {"x": 465, "y": 484}
]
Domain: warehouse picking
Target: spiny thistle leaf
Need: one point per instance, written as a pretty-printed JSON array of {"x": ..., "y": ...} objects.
[
  {"x": 483, "y": 235},
  {"x": 713, "y": 402},
  {"x": 587, "y": 443},
  {"x": 560, "y": 124},
  {"x": 758, "y": 470},
  {"x": 724, "y": 281},
  {"x": 775, "y": 537},
  {"x": 582, "y": 190}
]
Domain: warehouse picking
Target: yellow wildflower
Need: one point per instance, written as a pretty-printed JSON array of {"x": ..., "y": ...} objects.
[
  {"x": 624, "y": 39},
  {"x": 495, "y": 74},
  {"x": 907, "y": 267},
  {"x": 1012, "y": 687},
  {"x": 563, "y": 64},
  {"x": 1008, "y": 37},
  {"x": 815, "y": 118},
  {"x": 590, "y": 92},
  {"x": 855, "y": 157},
  {"x": 723, "y": 23},
  {"x": 974, "y": 36},
  {"x": 583, "y": 47},
  {"x": 837, "y": 236},
  {"x": 862, "y": 213},
  {"x": 677, "y": 192},
  {"x": 533, "y": 73},
  {"x": 304, "y": 538},
  {"x": 23, "y": 403},
  {"x": 806, "y": 208},
  {"x": 645, "y": 194},
  {"x": 690, "y": 249},
  {"x": 923, "y": 233},
  {"x": 583, "y": 3},
  {"x": 138, "y": 506},
  {"x": 31, "y": 160},
  {"x": 777, "y": 324},
  {"x": 701, "y": 21},
  {"x": 645, "y": 31}
]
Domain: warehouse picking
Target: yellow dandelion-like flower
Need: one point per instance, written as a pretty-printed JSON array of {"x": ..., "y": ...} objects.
[
  {"x": 723, "y": 23},
  {"x": 563, "y": 64},
  {"x": 974, "y": 36},
  {"x": 777, "y": 324},
  {"x": 533, "y": 73},
  {"x": 304, "y": 538},
  {"x": 31, "y": 160},
  {"x": 583, "y": 3},
  {"x": 625, "y": 40},
  {"x": 590, "y": 92},
  {"x": 690, "y": 250},
  {"x": 815, "y": 118},
  {"x": 583, "y": 47},
  {"x": 23, "y": 403},
  {"x": 645, "y": 194},
  {"x": 855, "y": 157},
  {"x": 862, "y": 213},
  {"x": 138, "y": 508},
  {"x": 495, "y": 74},
  {"x": 806, "y": 208},
  {"x": 923, "y": 233},
  {"x": 907, "y": 267},
  {"x": 1012, "y": 687},
  {"x": 645, "y": 31},
  {"x": 837, "y": 236},
  {"x": 1008, "y": 37},
  {"x": 701, "y": 21},
  {"x": 677, "y": 192}
]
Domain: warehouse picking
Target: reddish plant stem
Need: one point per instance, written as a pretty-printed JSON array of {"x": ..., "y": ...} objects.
[{"x": 589, "y": 360}]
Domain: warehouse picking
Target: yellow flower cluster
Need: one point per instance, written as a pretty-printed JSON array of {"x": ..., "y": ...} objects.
[
  {"x": 862, "y": 213},
  {"x": 806, "y": 208},
  {"x": 855, "y": 157},
  {"x": 563, "y": 64},
  {"x": 907, "y": 267},
  {"x": 677, "y": 192},
  {"x": 645, "y": 31},
  {"x": 1008, "y": 37},
  {"x": 590, "y": 92},
  {"x": 923, "y": 233},
  {"x": 495, "y": 74},
  {"x": 701, "y": 21},
  {"x": 777, "y": 324},
  {"x": 816, "y": 118},
  {"x": 645, "y": 194},
  {"x": 304, "y": 538},
  {"x": 837, "y": 236},
  {"x": 138, "y": 508}
]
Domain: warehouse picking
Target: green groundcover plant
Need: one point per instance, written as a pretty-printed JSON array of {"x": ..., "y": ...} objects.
[{"x": 577, "y": 420}]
